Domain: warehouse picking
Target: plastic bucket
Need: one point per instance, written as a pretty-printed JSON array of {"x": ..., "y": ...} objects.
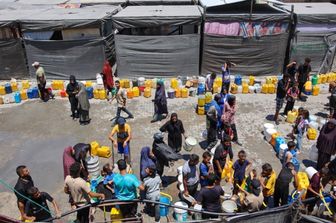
[
  {"x": 268, "y": 126},
  {"x": 310, "y": 171},
  {"x": 166, "y": 199},
  {"x": 189, "y": 143},
  {"x": 180, "y": 215},
  {"x": 229, "y": 206},
  {"x": 269, "y": 133}
]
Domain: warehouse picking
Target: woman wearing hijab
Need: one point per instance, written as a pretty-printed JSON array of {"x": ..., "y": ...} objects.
[
  {"x": 107, "y": 77},
  {"x": 175, "y": 130},
  {"x": 326, "y": 143},
  {"x": 72, "y": 90},
  {"x": 83, "y": 105},
  {"x": 160, "y": 103},
  {"x": 147, "y": 159}
]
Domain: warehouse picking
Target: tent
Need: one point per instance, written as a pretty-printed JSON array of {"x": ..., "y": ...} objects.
[
  {"x": 158, "y": 40},
  {"x": 98, "y": 2},
  {"x": 315, "y": 34},
  {"x": 253, "y": 36},
  {"x": 161, "y": 2},
  {"x": 68, "y": 40},
  {"x": 12, "y": 57}
]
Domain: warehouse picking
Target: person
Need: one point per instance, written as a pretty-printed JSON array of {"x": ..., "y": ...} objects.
[
  {"x": 210, "y": 79},
  {"x": 281, "y": 188},
  {"x": 152, "y": 183},
  {"x": 301, "y": 128},
  {"x": 126, "y": 186},
  {"x": 124, "y": 135},
  {"x": 222, "y": 151},
  {"x": 24, "y": 182},
  {"x": 72, "y": 90},
  {"x": 282, "y": 88},
  {"x": 296, "y": 123},
  {"x": 292, "y": 94},
  {"x": 107, "y": 77},
  {"x": 40, "y": 198},
  {"x": 175, "y": 130},
  {"x": 68, "y": 160},
  {"x": 240, "y": 167},
  {"x": 303, "y": 75},
  {"x": 160, "y": 103},
  {"x": 332, "y": 205},
  {"x": 83, "y": 105},
  {"x": 315, "y": 187},
  {"x": 147, "y": 159},
  {"x": 41, "y": 82},
  {"x": 267, "y": 180},
  {"x": 77, "y": 153},
  {"x": 326, "y": 143},
  {"x": 209, "y": 197},
  {"x": 253, "y": 201},
  {"x": 80, "y": 192},
  {"x": 228, "y": 117},
  {"x": 108, "y": 177},
  {"x": 290, "y": 155},
  {"x": 332, "y": 167},
  {"x": 291, "y": 71},
  {"x": 190, "y": 176},
  {"x": 212, "y": 119},
  {"x": 226, "y": 75},
  {"x": 332, "y": 100},
  {"x": 121, "y": 100},
  {"x": 205, "y": 169}
]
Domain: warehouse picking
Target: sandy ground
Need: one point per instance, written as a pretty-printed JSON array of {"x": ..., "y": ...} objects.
[{"x": 35, "y": 134}]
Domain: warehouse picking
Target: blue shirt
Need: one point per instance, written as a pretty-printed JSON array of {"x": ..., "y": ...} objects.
[
  {"x": 126, "y": 186},
  {"x": 204, "y": 171},
  {"x": 108, "y": 178},
  {"x": 239, "y": 170},
  {"x": 225, "y": 75}
]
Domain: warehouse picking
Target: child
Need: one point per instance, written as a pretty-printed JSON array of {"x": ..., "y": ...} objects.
[
  {"x": 222, "y": 151},
  {"x": 108, "y": 177},
  {"x": 332, "y": 205},
  {"x": 303, "y": 124},
  {"x": 41, "y": 198},
  {"x": 297, "y": 121},
  {"x": 290, "y": 155},
  {"x": 152, "y": 188},
  {"x": 291, "y": 96},
  {"x": 239, "y": 168},
  {"x": 253, "y": 175},
  {"x": 205, "y": 168}
]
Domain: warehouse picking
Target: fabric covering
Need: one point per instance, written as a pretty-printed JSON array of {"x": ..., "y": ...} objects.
[
  {"x": 160, "y": 2},
  {"x": 12, "y": 60},
  {"x": 159, "y": 56},
  {"x": 261, "y": 56}
]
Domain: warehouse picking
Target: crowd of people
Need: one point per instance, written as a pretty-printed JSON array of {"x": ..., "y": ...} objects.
[{"x": 202, "y": 179}]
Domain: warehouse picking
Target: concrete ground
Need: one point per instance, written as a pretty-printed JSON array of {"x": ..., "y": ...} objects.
[{"x": 35, "y": 134}]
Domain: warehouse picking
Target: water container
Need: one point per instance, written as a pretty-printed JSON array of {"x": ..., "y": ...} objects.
[
  {"x": 312, "y": 118},
  {"x": 192, "y": 92},
  {"x": 271, "y": 88},
  {"x": 102, "y": 94},
  {"x": 324, "y": 89},
  {"x": 88, "y": 84},
  {"x": 126, "y": 83},
  {"x": 201, "y": 80},
  {"x": 311, "y": 134},
  {"x": 35, "y": 92},
  {"x": 264, "y": 89},
  {"x": 8, "y": 88},
  {"x": 104, "y": 152},
  {"x": 174, "y": 83},
  {"x": 201, "y": 89},
  {"x": 96, "y": 94},
  {"x": 141, "y": 89},
  {"x": 134, "y": 83},
  {"x": 171, "y": 93},
  {"x": 291, "y": 117},
  {"x": 268, "y": 126},
  {"x": 269, "y": 133},
  {"x": 141, "y": 81},
  {"x": 251, "y": 80},
  {"x": 302, "y": 181},
  {"x": 129, "y": 93},
  {"x": 245, "y": 88},
  {"x": 238, "y": 80},
  {"x": 63, "y": 93},
  {"x": 315, "y": 80},
  {"x": 54, "y": 85},
  {"x": 229, "y": 206},
  {"x": 17, "y": 97},
  {"x": 279, "y": 141},
  {"x": 218, "y": 82},
  {"x": 180, "y": 215},
  {"x": 89, "y": 91},
  {"x": 313, "y": 153},
  {"x": 273, "y": 139},
  {"x": 200, "y": 110},
  {"x": 93, "y": 166},
  {"x": 316, "y": 90},
  {"x": 23, "y": 94},
  {"x": 216, "y": 88},
  {"x": 251, "y": 89},
  {"x": 30, "y": 93},
  {"x": 257, "y": 88},
  {"x": 1, "y": 101},
  {"x": 94, "y": 147},
  {"x": 282, "y": 150},
  {"x": 164, "y": 210},
  {"x": 178, "y": 93},
  {"x": 310, "y": 171},
  {"x": 184, "y": 93},
  {"x": 308, "y": 86},
  {"x": 268, "y": 80},
  {"x": 147, "y": 92},
  {"x": 208, "y": 97},
  {"x": 234, "y": 89},
  {"x": 323, "y": 78},
  {"x": 25, "y": 84},
  {"x": 116, "y": 215},
  {"x": 2, "y": 90},
  {"x": 201, "y": 100},
  {"x": 136, "y": 92},
  {"x": 14, "y": 86}
]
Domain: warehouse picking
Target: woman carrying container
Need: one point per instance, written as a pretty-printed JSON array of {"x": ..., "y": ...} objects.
[{"x": 160, "y": 103}]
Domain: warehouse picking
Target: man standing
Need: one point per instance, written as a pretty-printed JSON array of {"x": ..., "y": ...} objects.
[
  {"x": 303, "y": 75},
  {"x": 282, "y": 88},
  {"x": 190, "y": 176},
  {"x": 80, "y": 192},
  {"x": 41, "y": 82},
  {"x": 126, "y": 186},
  {"x": 121, "y": 100},
  {"x": 24, "y": 183},
  {"x": 123, "y": 131},
  {"x": 212, "y": 122}
]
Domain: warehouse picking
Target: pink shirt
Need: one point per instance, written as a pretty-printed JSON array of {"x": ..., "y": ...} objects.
[{"x": 229, "y": 113}]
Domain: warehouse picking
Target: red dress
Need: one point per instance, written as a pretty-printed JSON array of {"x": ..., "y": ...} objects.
[{"x": 107, "y": 75}]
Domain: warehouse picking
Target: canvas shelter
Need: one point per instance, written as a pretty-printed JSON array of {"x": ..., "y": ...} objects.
[
  {"x": 69, "y": 40},
  {"x": 253, "y": 36},
  {"x": 98, "y": 2},
  {"x": 160, "y": 41},
  {"x": 315, "y": 34},
  {"x": 161, "y": 2}
]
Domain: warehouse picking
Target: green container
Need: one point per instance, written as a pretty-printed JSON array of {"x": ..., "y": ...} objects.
[{"x": 314, "y": 80}]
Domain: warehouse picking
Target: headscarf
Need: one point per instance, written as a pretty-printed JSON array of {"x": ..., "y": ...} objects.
[
  {"x": 326, "y": 142},
  {"x": 173, "y": 115},
  {"x": 160, "y": 94},
  {"x": 145, "y": 161},
  {"x": 107, "y": 74},
  {"x": 72, "y": 87}
]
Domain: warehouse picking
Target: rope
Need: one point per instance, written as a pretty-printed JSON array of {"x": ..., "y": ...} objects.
[{"x": 15, "y": 191}]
